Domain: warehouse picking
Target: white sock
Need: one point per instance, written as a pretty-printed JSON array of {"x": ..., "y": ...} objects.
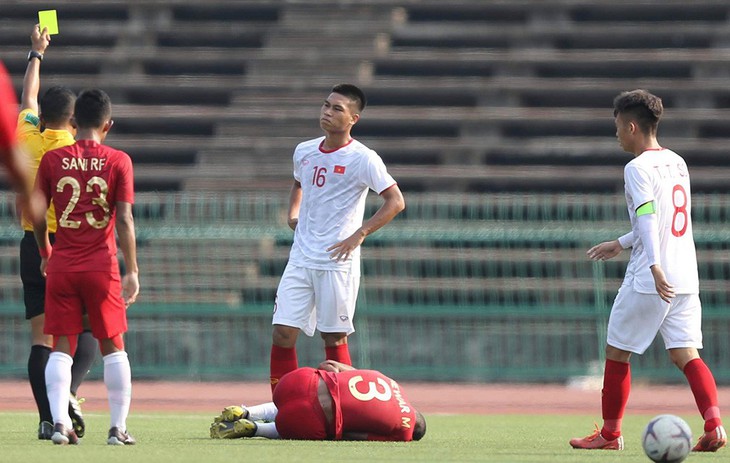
[
  {"x": 58, "y": 386},
  {"x": 118, "y": 381},
  {"x": 266, "y": 411},
  {"x": 267, "y": 430}
]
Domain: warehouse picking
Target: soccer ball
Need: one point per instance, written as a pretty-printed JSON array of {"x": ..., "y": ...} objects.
[{"x": 667, "y": 438}]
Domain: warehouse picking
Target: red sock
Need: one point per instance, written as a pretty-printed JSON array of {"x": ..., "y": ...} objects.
[
  {"x": 615, "y": 396},
  {"x": 339, "y": 353},
  {"x": 283, "y": 360},
  {"x": 704, "y": 389}
]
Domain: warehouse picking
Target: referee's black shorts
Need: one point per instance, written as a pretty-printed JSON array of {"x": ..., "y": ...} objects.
[{"x": 34, "y": 284}]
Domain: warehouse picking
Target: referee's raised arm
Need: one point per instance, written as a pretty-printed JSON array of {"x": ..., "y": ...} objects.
[{"x": 32, "y": 79}]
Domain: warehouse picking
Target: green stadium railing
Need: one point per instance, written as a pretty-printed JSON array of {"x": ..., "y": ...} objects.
[{"x": 457, "y": 288}]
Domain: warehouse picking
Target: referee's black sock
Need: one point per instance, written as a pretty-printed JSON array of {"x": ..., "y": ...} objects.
[
  {"x": 83, "y": 359},
  {"x": 37, "y": 361}
]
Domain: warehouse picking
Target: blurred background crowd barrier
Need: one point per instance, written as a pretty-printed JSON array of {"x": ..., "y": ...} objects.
[{"x": 494, "y": 117}]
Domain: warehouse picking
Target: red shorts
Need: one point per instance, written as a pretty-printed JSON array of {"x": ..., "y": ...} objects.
[
  {"x": 98, "y": 294},
  {"x": 300, "y": 414}
]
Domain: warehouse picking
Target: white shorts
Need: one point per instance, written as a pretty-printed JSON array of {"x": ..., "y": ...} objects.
[
  {"x": 636, "y": 319},
  {"x": 311, "y": 299}
]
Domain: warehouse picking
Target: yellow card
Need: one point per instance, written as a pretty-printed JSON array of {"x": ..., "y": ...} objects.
[{"x": 47, "y": 18}]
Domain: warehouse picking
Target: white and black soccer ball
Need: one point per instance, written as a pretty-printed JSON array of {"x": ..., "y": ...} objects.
[{"x": 667, "y": 438}]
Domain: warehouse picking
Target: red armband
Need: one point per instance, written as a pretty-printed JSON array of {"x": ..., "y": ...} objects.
[{"x": 45, "y": 253}]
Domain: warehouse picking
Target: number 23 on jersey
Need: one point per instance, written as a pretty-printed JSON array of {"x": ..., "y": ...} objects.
[{"x": 95, "y": 184}]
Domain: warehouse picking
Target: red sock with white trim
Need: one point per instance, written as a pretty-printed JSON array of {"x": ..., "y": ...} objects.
[
  {"x": 703, "y": 386},
  {"x": 615, "y": 396},
  {"x": 283, "y": 360}
]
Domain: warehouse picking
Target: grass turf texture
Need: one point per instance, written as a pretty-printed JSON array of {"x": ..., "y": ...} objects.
[{"x": 167, "y": 437}]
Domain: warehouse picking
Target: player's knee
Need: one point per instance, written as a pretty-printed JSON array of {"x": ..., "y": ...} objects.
[
  {"x": 284, "y": 336},
  {"x": 334, "y": 339},
  {"x": 617, "y": 355},
  {"x": 111, "y": 345},
  {"x": 681, "y": 357}
]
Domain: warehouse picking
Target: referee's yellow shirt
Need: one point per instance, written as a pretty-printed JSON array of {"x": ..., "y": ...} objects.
[{"x": 36, "y": 144}]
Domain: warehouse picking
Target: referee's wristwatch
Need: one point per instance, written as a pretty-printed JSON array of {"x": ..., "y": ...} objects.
[{"x": 35, "y": 54}]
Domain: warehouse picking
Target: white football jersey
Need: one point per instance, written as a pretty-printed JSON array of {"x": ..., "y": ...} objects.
[
  {"x": 335, "y": 185},
  {"x": 662, "y": 176}
]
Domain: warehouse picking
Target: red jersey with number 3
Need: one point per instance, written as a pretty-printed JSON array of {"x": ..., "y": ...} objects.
[
  {"x": 367, "y": 401},
  {"x": 85, "y": 181}
]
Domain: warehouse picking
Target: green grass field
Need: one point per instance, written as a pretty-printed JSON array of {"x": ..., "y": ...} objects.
[{"x": 165, "y": 437}]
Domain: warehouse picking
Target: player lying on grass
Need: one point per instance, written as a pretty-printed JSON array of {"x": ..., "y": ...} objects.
[{"x": 333, "y": 402}]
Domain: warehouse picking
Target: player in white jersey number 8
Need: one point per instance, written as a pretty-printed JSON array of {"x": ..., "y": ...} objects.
[{"x": 660, "y": 292}]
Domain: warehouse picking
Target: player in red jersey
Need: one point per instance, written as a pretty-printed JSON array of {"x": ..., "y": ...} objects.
[
  {"x": 11, "y": 154},
  {"x": 333, "y": 402},
  {"x": 91, "y": 186},
  {"x": 39, "y": 132}
]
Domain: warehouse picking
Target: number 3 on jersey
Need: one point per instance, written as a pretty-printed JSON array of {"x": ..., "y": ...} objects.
[
  {"x": 100, "y": 201},
  {"x": 373, "y": 392},
  {"x": 679, "y": 201}
]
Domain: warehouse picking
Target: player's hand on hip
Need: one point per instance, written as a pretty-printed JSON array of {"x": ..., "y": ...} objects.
[
  {"x": 342, "y": 250},
  {"x": 130, "y": 288},
  {"x": 605, "y": 250},
  {"x": 339, "y": 251},
  {"x": 663, "y": 287}
]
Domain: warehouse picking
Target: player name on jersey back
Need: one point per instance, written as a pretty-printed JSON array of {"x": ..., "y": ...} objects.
[{"x": 84, "y": 164}]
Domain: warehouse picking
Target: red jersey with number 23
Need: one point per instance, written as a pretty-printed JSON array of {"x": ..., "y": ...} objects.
[
  {"x": 367, "y": 401},
  {"x": 85, "y": 181}
]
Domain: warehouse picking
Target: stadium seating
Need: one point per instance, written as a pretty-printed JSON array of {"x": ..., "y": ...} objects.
[
  {"x": 494, "y": 117},
  {"x": 478, "y": 88}
]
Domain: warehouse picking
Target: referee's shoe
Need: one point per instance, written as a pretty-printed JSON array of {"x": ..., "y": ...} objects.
[{"x": 45, "y": 430}]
